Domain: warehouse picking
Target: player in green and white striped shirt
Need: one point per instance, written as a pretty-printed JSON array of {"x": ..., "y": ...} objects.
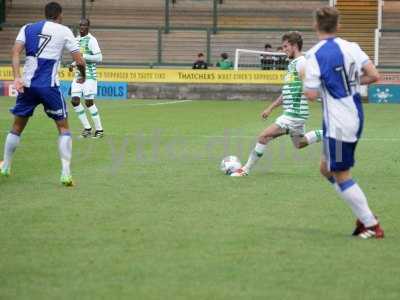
[
  {"x": 91, "y": 52},
  {"x": 295, "y": 107}
]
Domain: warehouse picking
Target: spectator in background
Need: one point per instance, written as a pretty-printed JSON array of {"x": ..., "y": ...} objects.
[
  {"x": 266, "y": 60},
  {"x": 224, "y": 63},
  {"x": 200, "y": 63},
  {"x": 281, "y": 62}
]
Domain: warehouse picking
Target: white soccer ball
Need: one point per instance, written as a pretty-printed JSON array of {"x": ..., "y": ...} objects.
[{"x": 230, "y": 164}]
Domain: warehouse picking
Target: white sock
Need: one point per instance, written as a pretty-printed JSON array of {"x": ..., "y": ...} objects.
[
  {"x": 95, "y": 117},
  {"x": 354, "y": 196},
  {"x": 313, "y": 136},
  {"x": 12, "y": 141},
  {"x": 254, "y": 156},
  {"x": 80, "y": 110},
  {"x": 65, "y": 151}
]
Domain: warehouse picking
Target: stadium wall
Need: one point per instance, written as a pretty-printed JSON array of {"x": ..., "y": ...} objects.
[
  {"x": 177, "y": 83},
  {"x": 204, "y": 91},
  {"x": 387, "y": 90},
  {"x": 185, "y": 84}
]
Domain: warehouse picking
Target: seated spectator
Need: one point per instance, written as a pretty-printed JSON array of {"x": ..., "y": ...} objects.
[
  {"x": 266, "y": 60},
  {"x": 200, "y": 63},
  {"x": 281, "y": 62},
  {"x": 224, "y": 63}
]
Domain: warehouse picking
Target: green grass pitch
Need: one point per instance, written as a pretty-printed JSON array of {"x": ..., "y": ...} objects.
[{"x": 152, "y": 217}]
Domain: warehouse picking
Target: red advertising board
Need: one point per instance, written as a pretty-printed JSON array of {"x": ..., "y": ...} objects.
[{"x": 8, "y": 89}]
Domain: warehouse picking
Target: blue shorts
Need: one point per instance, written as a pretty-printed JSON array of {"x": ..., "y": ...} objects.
[
  {"x": 51, "y": 98},
  {"x": 339, "y": 155}
]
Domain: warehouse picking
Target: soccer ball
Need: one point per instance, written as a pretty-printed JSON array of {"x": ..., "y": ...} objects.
[{"x": 230, "y": 164}]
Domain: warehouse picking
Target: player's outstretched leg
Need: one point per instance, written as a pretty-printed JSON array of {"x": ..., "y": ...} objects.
[
  {"x": 314, "y": 136},
  {"x": 80, "y": 110},
  {"x": 367, "y": 225},
  {"x": 351, "y": 192},
  {"x": 311, "y": 137},
  {"x": 94, "y": 112},
  {"x": 267, "y": 135},
  {"x": 65, "y": 151},
  {"x": 11, "y": 144},
  {"x": 254, "y": 156}
]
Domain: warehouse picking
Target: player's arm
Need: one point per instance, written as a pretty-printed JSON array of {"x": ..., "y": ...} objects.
[
  {"x": 311, "y": 76},
  {"x": 15, "y": 59},
  {"x": 96, "y": 57},
  {"x": 72, "y": 46},
  {"x": 16, "y": 53},
  {"x": 311, "y": 95},
  {"x": 271, "y": 107},
  {"x": 93, "y": 57},
  {"x": 370, "y": 75},
  {"x": 80, "y": 64},
  {"x": 72, "y": 66}
]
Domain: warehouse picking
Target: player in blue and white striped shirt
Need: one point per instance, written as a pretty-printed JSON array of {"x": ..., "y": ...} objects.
[
  {"x": 43, "y": 42},
  {"x": 335, "y": 69}
]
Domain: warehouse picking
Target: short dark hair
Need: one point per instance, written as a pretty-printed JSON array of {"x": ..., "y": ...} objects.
[
  {"x": 327, "y": 19},
  {"x": 294, "y": 38},
  {"x": 85, "y": 20},
  {"x": 224, "y": 55},
  {"x": 52, "y": 10},
  {"x": 200, "y": 55},
  {"x": 268, "y": 46}
]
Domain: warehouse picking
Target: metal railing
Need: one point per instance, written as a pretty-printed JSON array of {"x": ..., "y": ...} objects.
[
  {"x": 2, "y": 11},
  {"x": 378, "y": 36},
  {"x": 378, "y": 32},
  {"x": 161, "y": 31},
  {"x": 216, "y": 4},
  {"x": 211, "y": 30}
]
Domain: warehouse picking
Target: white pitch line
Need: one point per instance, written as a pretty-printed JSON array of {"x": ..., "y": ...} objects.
[
  {"x": 162, "y": 103},
  {"x": 380, "y": 139},
  {"x": 229, "y": 137},
  {"x": 240, "y": 137},
  {"x": 159, "y": 135}
]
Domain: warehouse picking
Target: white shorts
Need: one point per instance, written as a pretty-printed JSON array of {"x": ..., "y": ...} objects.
[
  {"x": 88, "y": 89},
  {"x": 294, "y": 126}
]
